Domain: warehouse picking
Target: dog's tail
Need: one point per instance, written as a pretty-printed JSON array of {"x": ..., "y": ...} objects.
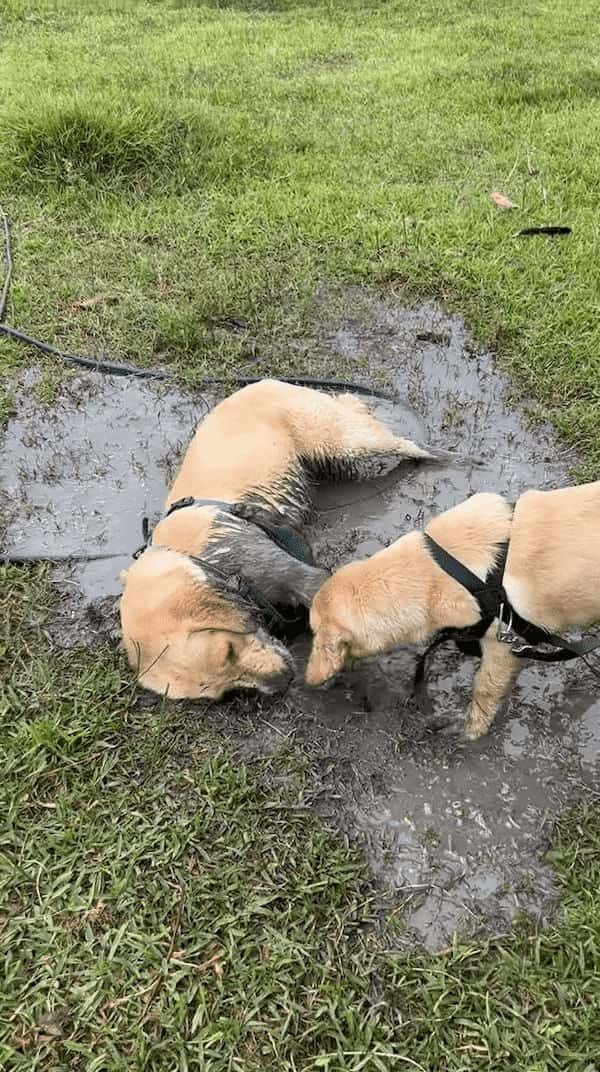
[
  {"x": 407, "y": 449},
  {"x": 438, "y": 456}
]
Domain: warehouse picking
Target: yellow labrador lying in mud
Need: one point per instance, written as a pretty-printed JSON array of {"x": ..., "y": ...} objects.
[
  {"x": 482, "y": 571},
  {"x": 228, "y": 546}
]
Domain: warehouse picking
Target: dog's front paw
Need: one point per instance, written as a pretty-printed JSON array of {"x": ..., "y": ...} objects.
[
  {"x": 475, "y": 733},
  {"x": 478, "y": 722}
]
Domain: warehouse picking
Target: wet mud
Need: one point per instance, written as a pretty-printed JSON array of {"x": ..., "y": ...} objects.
[
  {"x": 78, "y": 476},
  {"x": 457, "y": 832}
]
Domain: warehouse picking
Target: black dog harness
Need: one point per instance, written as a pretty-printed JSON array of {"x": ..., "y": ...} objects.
[
  {"x": 287, "y": 538},
  {"x": 494, "y": 605}
]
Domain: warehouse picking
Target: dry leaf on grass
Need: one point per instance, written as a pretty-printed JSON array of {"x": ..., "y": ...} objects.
[
  {"x": 91, "y": 303},
  {"x": 94, "y": 913},
  {"x": 501, "y": 201}
]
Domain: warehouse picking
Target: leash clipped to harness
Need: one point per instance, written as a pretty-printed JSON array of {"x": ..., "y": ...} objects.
[{"x": 524, "y": 637}]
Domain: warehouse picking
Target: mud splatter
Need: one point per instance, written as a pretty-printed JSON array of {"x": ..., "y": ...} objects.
[{"x": 457, "y": 831}]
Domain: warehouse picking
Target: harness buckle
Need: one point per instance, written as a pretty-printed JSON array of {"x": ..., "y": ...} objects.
[
  {"x": 505, "y": 633},
  {"x": 521, "y": 649}
]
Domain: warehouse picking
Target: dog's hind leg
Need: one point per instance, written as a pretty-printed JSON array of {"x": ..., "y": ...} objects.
[
  {"x": 349, "y": 441},
  {"x": 352, "y": 430}
]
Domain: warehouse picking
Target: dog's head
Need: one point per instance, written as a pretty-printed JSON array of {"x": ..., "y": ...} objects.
[
  {"x": 189, "y": 636},
  {"x": 334, "y": 639},
  {"x": 371, "y": 606}
]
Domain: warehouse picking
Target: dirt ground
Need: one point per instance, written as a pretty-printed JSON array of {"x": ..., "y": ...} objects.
[{"x": 455, "y": 831}]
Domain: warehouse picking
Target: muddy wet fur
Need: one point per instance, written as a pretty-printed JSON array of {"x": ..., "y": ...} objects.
[
  {"x": 286, "y": 581},
  {"x": 185, "y": 629}
]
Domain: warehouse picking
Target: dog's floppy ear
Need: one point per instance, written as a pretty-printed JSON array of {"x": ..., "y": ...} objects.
[{"x": 328, "y": 656}]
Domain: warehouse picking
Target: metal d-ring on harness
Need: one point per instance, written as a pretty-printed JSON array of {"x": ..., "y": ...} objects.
[
  {"x": 286, "y": 537},
  {"x": 494, "y": 605}
]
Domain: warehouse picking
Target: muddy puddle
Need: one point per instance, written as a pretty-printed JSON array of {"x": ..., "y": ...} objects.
[{"x": 458, "y": 832}]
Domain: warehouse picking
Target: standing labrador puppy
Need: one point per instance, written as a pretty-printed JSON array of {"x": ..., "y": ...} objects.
[
  {"x": 189, "y": 629},
  {"x": 402, "y": 596}
]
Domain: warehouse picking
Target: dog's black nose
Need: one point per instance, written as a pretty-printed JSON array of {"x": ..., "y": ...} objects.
[{"x": 281, "y": 681}]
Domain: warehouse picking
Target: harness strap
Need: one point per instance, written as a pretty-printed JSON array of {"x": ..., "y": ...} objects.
[
  {"x": 189, "y": 500},
  {"x": 489, "y": 592},
  {"x": 493, "y": 604},
  {"x": 247, "y": 593},
  {"x": 466, "y": 640},
  {"x": 287, "y": 538}
]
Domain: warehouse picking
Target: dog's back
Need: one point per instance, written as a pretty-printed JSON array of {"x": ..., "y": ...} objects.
[{"x": 553, "y": 569}]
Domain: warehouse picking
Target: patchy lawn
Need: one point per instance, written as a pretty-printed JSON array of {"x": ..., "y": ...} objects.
[
  {"x": 165, "y": 915},
  {"x": 188, "y": 162}
]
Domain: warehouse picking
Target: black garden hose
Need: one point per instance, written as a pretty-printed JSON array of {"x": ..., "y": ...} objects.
[{"x": 114, "y": 368}]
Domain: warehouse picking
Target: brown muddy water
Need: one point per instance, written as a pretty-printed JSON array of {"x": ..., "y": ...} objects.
[{"x": 456, "y": 832}]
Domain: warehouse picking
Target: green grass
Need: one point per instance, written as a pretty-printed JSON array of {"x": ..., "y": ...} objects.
[
  {"x": 200, "y": 160},
  {"x": 160, "y": 908}
]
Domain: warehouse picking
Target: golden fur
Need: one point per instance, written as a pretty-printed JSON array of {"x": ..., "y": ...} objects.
[
  {"x": 401, "y": 596},
  {"x": 187, "y": 635}
]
